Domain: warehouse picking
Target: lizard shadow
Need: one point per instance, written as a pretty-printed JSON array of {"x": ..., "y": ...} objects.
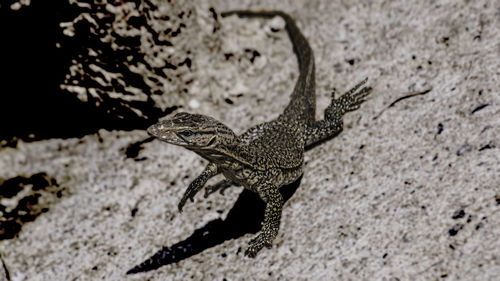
[{"x": 245, "y": 217}]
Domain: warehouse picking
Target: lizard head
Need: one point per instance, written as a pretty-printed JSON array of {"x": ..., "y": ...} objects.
[{"x": 193, "y": 131}]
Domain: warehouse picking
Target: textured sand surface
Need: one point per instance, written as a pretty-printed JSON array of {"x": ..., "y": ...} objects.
[{"x": 409, "y": 191}]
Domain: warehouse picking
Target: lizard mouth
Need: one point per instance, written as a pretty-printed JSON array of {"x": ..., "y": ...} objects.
[{"x": 161, "y": 132}]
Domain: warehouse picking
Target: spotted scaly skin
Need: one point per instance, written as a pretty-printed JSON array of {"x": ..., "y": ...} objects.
[{"x": 268, "y": 155}]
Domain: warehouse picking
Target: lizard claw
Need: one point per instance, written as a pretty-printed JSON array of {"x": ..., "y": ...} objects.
[
  {"x": 349, "y": 101},
  {"x": 189, "y": 194},
  {"x": 184, "y": 200},
  {"x": 334, "y": 92},
  {"x": 353, "y": 98},
  {"x": 181, "y": 204},
  {"x": 252, "y": 251},
  {"x": 221, "y": 191}
]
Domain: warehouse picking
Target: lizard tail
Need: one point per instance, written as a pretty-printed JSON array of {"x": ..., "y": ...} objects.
[{"x": 302, "y": 104}]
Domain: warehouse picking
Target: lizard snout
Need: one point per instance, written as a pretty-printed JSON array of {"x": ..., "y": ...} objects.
[{"x": 156, "y": 130}]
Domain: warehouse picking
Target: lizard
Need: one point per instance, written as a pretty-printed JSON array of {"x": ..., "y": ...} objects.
[{"x": 268, "y": 155}]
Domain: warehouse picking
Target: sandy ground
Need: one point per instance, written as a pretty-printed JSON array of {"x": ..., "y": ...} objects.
[{"x": 409, "y": 191}]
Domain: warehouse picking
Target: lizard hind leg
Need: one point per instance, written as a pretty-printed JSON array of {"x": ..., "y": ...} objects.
[{"x": 272, "y": 217}]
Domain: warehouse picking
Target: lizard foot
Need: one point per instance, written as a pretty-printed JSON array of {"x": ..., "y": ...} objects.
[
  {"x": 263, "y": 239},
  {"x": 349, "y": 101}
]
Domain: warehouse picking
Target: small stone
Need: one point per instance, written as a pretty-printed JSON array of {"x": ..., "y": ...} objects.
[
  {"x": 455, "y": 229},
  {"x": 15, "y": 6},
  {"x": 194, "y": 104},
  {"x": 460, "y": 213},
  {"x": 463, "y": 149}
]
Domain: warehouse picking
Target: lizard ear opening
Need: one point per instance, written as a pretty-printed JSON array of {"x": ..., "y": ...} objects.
[{"x": 212, "y": 141}]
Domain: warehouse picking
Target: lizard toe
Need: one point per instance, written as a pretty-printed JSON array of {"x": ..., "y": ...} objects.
[
  {"x": 181, "y": 205},
  {"x": 252, "y": 251},
  {"x": 209, "y": 190}
]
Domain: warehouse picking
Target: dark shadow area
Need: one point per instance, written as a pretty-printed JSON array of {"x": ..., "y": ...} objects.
[
  {"x": 245, "y": 217},
  {"x": 35, "y": 61},
  {"x": 133, "y": 149},
  {"x": 39, "y": 193}
]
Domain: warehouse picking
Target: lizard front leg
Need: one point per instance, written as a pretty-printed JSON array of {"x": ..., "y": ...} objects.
[
  {"x": 197, "y": 184},
  {"x": 272, "y": 217}
]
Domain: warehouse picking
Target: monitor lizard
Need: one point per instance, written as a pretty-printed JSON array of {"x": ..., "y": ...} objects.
[{"x": 268, "y": 155}]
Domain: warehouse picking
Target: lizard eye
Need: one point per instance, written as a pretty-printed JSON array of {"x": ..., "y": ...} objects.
[{"x": 186, "y": 133}]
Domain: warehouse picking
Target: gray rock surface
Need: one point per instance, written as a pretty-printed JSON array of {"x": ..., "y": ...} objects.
[{"x": 409, "y": 191}]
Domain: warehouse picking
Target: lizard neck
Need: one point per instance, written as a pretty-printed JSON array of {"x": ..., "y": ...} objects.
[{"x": 234, "y": 151}]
